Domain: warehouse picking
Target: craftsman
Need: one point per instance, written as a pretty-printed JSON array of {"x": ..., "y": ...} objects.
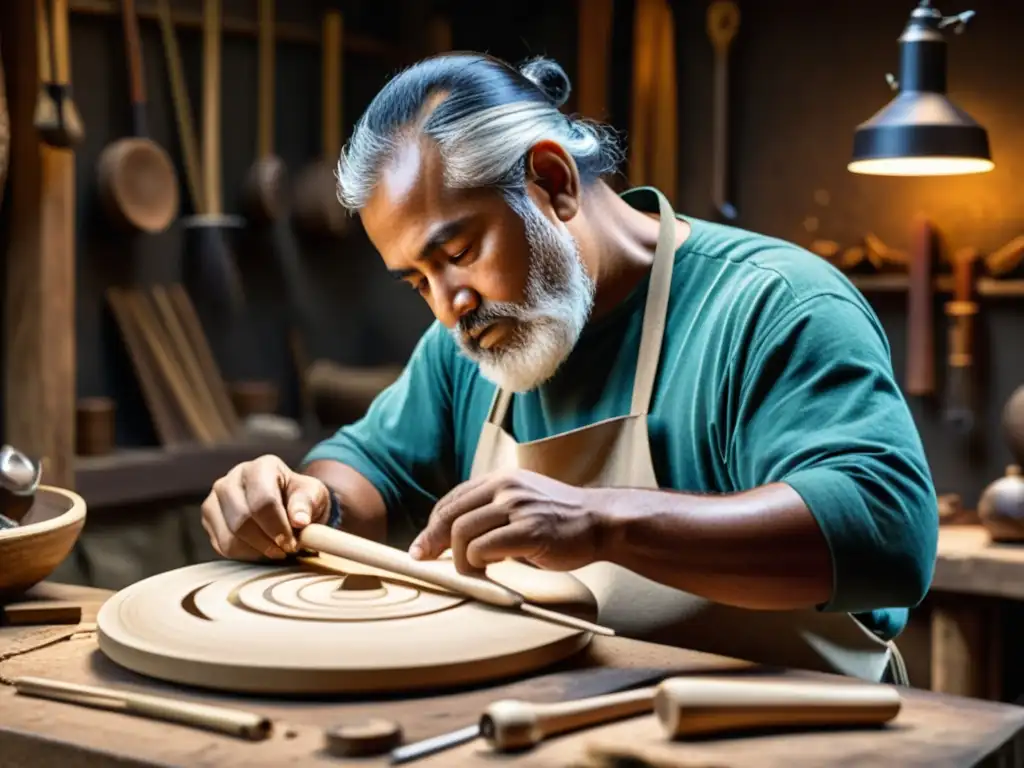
[{"x": 751, "y": 449}]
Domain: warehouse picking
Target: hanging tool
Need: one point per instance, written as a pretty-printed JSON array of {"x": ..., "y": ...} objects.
[
  {"x": 723, "y": 21},
  {"x": 56, "y": 117},
  {"x": 582, "y": 684},
  {"x": 209, "y": 262},
  {"x": 266, "y": 184},
  {"x": 920, "y": 311},
  {"x": 321, "y": 538},
  {"x": 137, "y": 182},
  {"x": 960, "y": 313},
  {"x": 318, "y": 213},
  {"x": 182, "y": 105}
]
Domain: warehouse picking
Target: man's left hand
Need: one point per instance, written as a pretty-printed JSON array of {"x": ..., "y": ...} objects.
[{"x": 517, "y": 514}]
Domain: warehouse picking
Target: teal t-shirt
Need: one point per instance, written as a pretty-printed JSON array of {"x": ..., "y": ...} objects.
[{"x": 773, "y": 369}]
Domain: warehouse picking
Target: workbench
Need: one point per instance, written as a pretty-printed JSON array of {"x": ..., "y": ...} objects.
[
  {"x": 972, "y": 578},
  {"x": 931, "y": 728}
]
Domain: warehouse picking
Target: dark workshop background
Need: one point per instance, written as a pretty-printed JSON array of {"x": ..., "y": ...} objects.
[{"x": 804, "y": 73}]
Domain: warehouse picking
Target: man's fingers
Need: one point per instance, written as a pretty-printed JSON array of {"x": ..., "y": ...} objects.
[
  {"x": 459, "y": 490},
  {"x": 263, "y": 498},
  {"x": 515, "y": 540},
  {"x": 470, "y": 527},
  {"x": 435, "y": 538},
  {"x": 224, "y": 541},
  {"x": 235, "y": 514},
  {"x": 308, "y": 500}
]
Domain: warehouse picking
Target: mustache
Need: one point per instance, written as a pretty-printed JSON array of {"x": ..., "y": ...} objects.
[{"x": 483, "y": 316}]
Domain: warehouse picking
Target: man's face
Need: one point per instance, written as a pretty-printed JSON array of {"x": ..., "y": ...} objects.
[{"x": 506, "y": 280}]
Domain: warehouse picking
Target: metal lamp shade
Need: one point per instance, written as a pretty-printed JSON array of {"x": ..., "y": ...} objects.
[{"x": 921, "y": 132}]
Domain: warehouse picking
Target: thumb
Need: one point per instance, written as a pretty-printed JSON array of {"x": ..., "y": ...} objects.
[{"x": 307, "y": 500}]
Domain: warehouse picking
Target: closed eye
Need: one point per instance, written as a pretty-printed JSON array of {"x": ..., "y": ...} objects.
[{"x": 459, "y": 256}]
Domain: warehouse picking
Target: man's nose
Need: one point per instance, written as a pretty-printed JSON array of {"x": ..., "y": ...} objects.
[{"x": 463, "y": 301}]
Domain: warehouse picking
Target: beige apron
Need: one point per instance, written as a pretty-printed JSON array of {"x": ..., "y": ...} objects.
[{"x": 616, "y": 453}]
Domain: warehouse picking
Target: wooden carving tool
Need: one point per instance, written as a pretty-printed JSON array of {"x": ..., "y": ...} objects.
[
  {"x": 723, "y": 21},
  {"x": 700, "y": 706},
  {"x": 960, "y": 312},
  {"x": 321, "y": 538},
  {"x": 233, "y": 722},
  {"x": 920, "y": 312},
  {"x": 579, "y": 685},
  {"x": 512, "y": 724},
  {"x": 46, "y": 118}
]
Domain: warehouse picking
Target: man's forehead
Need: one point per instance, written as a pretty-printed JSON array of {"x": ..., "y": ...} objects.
[{"x": 411, "y": 199}]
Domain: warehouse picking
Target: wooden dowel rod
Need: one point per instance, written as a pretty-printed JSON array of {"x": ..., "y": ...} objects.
[{"x": 283, "y": 33}]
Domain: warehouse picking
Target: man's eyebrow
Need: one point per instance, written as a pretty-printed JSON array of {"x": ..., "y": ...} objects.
[{"x": 438, "y": 236}]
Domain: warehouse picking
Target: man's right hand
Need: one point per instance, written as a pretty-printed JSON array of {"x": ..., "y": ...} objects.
[{"x": 252, "y": 511}]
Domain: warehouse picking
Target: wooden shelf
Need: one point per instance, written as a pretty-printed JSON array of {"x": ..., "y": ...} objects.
[
  {"x": 984, "y": 286},
  {"x": 284, "y": 31},
  {"x": 145, "y": 475}
]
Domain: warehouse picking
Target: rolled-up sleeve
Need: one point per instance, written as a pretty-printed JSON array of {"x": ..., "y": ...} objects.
[{"x": 820, "y": 410}]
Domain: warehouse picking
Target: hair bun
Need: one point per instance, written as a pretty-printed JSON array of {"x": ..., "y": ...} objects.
[{"x": 547, "y": 75}]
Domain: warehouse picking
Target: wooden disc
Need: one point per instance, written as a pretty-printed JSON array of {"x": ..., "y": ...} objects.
[
  {"x": 362, "y": 739},
  {"x": 294, "y": 629}
]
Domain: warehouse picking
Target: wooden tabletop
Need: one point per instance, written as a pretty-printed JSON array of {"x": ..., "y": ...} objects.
[
  {"x": 970, "y": 563},
  {"x": 931, "y": 728}
]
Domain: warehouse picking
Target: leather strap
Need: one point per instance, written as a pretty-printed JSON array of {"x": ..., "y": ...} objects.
[{"x": 653, "y": 330}]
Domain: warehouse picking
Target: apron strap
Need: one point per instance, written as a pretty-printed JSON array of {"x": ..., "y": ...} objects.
[
  {"x": 653, "y": 329},
  {"x": 499, "y": 406},
  {"x": 655, "y": 310}
]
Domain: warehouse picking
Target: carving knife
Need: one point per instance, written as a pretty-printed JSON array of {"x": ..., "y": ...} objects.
[{"x": 580, "y": 684}]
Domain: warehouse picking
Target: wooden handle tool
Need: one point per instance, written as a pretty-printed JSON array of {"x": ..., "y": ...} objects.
[
  {"x": 234, "y": 722},
  {"x": 723, "y": 22},
  {"x": 512, "y": 724},
  {"x": 321, "y": 538},
  {"x": 960, "y": 313},
  {"x": 700, "y": 706},
  {"x": 1007, "y": 258},
  {"x": 920, "y": 312}
]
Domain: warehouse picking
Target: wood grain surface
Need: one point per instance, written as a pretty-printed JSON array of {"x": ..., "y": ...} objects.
[{"x": 931, "y": 729}]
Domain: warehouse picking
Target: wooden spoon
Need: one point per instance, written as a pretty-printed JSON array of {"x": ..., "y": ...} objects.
[
  {"x": 137, "y": 182},
  {"x": 264, "y": 195},
  {"x": 317, "y": 211}
]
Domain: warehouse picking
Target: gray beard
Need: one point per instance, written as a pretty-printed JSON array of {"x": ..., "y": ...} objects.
[{"x": 559, "y": 296}]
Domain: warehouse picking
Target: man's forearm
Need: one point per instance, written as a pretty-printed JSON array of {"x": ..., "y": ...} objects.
[
  {"x": 363, "y": 510},
  {"x": 760, "y": 549}
]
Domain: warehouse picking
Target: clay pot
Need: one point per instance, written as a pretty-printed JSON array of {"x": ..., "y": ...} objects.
[
  {"x": 1001, "y": 507},
  {"x": 1013, "y": 424},
  {"x": 30, "y": 552}
]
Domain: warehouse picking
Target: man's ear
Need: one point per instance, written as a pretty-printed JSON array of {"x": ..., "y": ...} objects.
[{"x": 554, "y": 172}]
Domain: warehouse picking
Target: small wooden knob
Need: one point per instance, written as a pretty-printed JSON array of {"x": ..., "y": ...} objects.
[
  {"x": 361, "y": 739},
  {"x": 360, "y": 582}
]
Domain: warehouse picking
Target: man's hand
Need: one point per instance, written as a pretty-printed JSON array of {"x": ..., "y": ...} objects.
[
  {"x": 517, "y": 514},
  {"x": 252, "y": 511}
]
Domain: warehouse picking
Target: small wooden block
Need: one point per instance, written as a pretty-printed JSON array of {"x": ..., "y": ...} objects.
[
  {"x": 37, "y": 612},
  {"x": 362, "y": 739}
]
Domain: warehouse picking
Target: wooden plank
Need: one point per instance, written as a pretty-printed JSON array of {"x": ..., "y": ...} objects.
[
  {"x": 39, "y": 323},
  {"x": 931, "y": 729},
  {"x": 285, "y": 32},
  {"x": 969, "y": 563},
  {"x": 146, "y": 475}
]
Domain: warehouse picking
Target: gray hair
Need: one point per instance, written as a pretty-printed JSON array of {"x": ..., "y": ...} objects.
[{"x": 483, "y": 116}]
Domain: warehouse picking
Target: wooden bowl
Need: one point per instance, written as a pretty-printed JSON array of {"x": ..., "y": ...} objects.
[{"x": 47, "y": 534}]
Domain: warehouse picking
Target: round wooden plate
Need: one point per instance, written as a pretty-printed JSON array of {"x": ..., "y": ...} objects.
[{"x": 300, "y": 630}]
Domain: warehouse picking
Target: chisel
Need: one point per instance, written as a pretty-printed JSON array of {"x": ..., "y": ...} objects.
[{"x": 583, "y": 685}]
